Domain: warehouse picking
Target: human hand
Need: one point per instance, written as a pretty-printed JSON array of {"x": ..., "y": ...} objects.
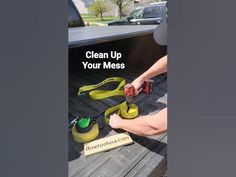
[
  {"x": 137, "y": 83},
  {"x": 115, "y": 121}
]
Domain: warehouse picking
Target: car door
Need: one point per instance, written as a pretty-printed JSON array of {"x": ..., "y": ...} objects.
[
  {"x": 152, "y": 15},
  {"x": 135, "y": 17}
]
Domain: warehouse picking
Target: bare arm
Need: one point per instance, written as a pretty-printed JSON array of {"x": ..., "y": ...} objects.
[
  {"x": 149, "y": 124},
  {"x": 157, "y": 68},
  {"x": 143, "y": 125}
]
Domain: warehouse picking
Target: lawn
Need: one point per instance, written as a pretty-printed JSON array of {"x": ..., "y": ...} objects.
[{"x": 95, "y": 21}]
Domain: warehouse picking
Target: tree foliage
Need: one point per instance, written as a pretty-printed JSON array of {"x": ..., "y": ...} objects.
[{"x": 99, "y": 7}]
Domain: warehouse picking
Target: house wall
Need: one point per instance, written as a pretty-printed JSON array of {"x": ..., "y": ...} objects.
[
  {"x": 81, "y": 7},
  {"x": 113, "y": 9},
  {"x": 128, "y": 8},
  {"x": 138, "y": 3}
]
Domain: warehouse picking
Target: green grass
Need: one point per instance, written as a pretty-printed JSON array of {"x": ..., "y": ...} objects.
[{"x": 91, "y": 18}]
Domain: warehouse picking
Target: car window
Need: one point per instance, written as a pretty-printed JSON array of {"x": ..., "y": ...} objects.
[
  {"x": 152, "y": 12},
  {"x": 137, "y": 14}
]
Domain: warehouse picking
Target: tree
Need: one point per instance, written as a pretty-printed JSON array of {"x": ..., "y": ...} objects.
[
  {"x": 121, "y": 4},
  {"x": 99, "y": 7}
]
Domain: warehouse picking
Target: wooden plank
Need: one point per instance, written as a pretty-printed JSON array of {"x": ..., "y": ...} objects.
[{"x": 107, "y": 143}]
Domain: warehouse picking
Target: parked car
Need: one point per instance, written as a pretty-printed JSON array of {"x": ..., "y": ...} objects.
[{"x": 151, "y": 14}]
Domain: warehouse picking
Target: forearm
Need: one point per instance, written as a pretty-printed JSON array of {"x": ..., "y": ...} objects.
[
  {"x": 157, "y": 68},
  {"x": 146, "y": 125},
  {"x": 137, "y": 126}
]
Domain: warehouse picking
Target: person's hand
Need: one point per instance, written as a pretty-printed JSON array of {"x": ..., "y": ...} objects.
[
  {"x": 137, "y": 83},
  {"x": 115, "y": 121}
]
